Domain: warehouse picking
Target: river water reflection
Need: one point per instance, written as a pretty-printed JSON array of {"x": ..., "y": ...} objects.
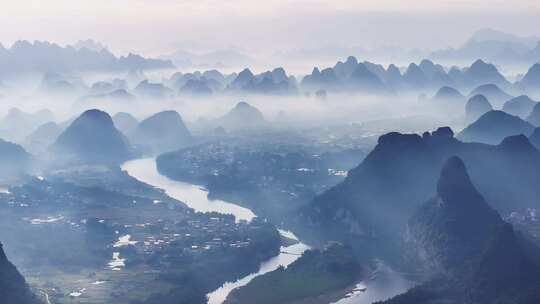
[{"x": 196, "y": 197}]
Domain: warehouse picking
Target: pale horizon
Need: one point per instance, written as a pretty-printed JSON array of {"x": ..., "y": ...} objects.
[{"x": 160, "y": 27}]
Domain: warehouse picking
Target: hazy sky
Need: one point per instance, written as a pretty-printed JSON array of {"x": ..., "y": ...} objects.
[{"x": 158, "y": 26}]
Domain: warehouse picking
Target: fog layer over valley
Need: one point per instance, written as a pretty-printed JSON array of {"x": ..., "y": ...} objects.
[{"x": 134, "y": 179}]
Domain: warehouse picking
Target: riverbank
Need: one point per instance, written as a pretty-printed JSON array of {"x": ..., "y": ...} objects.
[
  {"x": 318, "y": 276},
  {"x": 196, "y": 197}
]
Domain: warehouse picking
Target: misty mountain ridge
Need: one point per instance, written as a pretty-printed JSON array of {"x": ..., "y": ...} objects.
[
  {"x": 162, "y": 132},
  {"x": 91, "y": 139},
  {"x": 481, "y": 77},
  {"x": 225, "y": 58},
  {"x": 520, "y": 106},
  {"x": 448, "y": 94},
  {"x": 242, "y": 117},
  {"x": 494, "y": 126},
  {"x": 24, "y": 56},
  {"x": 409, "y": 164},
  {"x": 493, "y": 45},
  {"x": 275, "y": 82},
  {"x": 349, "y": 76},
  {"x": 277, "y": 152},
  {"x": 469, "y": 252},
  {"x": 453, "y": 226},
  {"x": 477, "y": 106},
  {"x": 493, "y": 93}
]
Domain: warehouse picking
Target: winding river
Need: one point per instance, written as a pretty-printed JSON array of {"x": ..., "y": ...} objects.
[
  {"x": 196, "y": 197},
  {"x": 383, "y": 283}
]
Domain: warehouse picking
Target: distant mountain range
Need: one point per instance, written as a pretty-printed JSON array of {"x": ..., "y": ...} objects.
[
  {"x": 493, "y": 45},
  {"x": 374, "y": 78},
  {"x": 24, "y": 56},
  {"x": 57, "y": 63},
  {"x": 216, "y": 59},
  {"x": 480, "y": 77}
]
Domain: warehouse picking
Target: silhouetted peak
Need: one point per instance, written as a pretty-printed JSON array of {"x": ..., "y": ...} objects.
[
  {"x": 95, "y": 116},
  {"x": 522, "y": 98},
  {"x": 479, "y": 63},
  {"x": 242, "y": 116},
  {"x": 245, "y": 73},
  {"x": 454, "y": 177},
  {"x": 163, "y": 131},
  {"x": 169, "y": 114},
  {"x": 244, "y": 110},
  {"x": 92, "y": 137},
  {"x": 517, "y": 142},
  {"x": 478, "y": 102},
  {"x": 20, "y": 44},
  {"x": 361, "y": 69},
  {"x": 446, "y": 92},
  {"x": 362, "y": 73},
  {"x": 481, "y": 67},
  {"x": 479, "y": 98},
  {"x": 351, "y": 60},
  {"x": 431, "y": 69},
  {"x": 494, "y": 126},
  {"x": 443, "y": 132},
  {"x": 398, "y": 139},
  {"x": 279, "y": 74},
  {"x": 488, "y": 88},
  {"x": 328, "y": 71},
  {"x": 242, "y": 105},
  {"x": 427, "y": 62},
  {"x": 164, "y": 122},
  {"x": 413, "y": 68},
  {"x": 462, "y": 202},
  {"x": 495, "y": 115},
  {"x": 392, "y": 69},
  {"x": 415, "y": 76},
  {"x": 477, "y": 106},
  {"x": 453, "y": 226},
  {"x": 520, "y": 106}
]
